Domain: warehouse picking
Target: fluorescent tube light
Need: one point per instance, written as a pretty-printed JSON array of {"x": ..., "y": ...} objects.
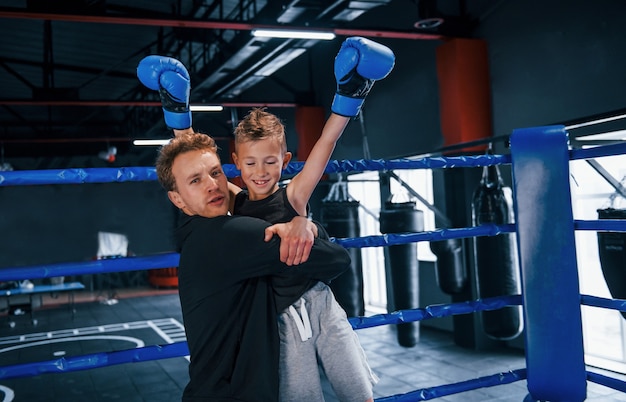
[
  {"x": 151, "y": 142},
  {"x": 280, "y": 33},
  {"x": 206, "y": 108}
]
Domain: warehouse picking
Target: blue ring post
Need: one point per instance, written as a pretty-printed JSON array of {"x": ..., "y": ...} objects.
[{"x": 545, "y": 235}]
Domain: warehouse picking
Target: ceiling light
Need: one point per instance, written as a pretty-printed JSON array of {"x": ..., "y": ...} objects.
[
  {"x": 151, "y": 142},
  {"x": 206, "y": 108},
  {"x": 280, "y": 33}
]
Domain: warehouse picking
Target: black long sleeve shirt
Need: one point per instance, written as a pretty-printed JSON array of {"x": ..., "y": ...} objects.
[{"x": 230, "y": 309}]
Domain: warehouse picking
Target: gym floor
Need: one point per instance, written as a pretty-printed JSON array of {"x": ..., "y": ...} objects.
[{"x": 150, "y": 317}]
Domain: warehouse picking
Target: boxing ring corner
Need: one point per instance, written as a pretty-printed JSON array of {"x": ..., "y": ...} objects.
[{"x": 545, "y": 230}]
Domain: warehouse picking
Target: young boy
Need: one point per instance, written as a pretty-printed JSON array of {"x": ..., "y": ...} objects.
[
  {"x": 314, "y": 330},
  {"x": 325, "y": 335}
]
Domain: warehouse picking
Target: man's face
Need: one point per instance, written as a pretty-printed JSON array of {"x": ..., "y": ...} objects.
[{"x": 201, "y": 186}]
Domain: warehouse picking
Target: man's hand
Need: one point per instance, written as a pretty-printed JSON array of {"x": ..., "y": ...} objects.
[{"x": 296, "y": 239}]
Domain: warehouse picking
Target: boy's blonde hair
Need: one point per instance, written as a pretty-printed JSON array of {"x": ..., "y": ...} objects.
[
  {"x": 259, "y": 124},
  {"x": 179, "y": 145}
]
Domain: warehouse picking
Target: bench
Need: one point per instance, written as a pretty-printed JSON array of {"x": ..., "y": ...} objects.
[{"x": 69, "y": 287}]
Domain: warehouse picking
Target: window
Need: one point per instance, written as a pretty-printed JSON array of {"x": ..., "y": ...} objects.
[
  {"x": 365, "y": 188},
  {"x": 604, "y": 330}
]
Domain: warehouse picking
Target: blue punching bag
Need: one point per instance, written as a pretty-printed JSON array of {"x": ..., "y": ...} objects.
[
  {"x": 497, "y": 269},
  {"x": 612, "y": 250},
  {"x": 403, "y": 264}
]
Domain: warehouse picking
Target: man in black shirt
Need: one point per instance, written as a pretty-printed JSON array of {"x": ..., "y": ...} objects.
[{"x": 229, "y": 307}]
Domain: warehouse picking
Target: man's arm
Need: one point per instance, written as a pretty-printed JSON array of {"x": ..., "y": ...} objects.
[
  {"x": 296, "y": 239},
  {"x": 257, "y": 257}
]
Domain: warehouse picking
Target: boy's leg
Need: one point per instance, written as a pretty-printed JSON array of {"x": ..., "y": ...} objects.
[
  {"x": 299, "y": 372},
  {"x": 339, "y": 351}
]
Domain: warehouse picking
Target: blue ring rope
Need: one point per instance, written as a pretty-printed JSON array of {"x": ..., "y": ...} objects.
[
  {"x": 435, "y": 311},
  {"x": 614, "y": 383},
  {"x": 179, "y": 349},
  {"x": 426, "y": 394},
  {"x": 169, "y": 260},
  {"x": 133, "y": 174},
  {"x": 96, "y": 360},
  {"x": 84, "y": 362},
  {"x": 122, "y": 264},
  {"x": 596, "y": 152},
  {"x": 595, "y": 301}
]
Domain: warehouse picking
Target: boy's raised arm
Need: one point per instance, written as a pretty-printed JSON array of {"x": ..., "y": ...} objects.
[{"x": 358, "y": 64}]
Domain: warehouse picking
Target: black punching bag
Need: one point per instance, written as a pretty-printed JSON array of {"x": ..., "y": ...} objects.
[
  {"x": 341, "y": 220},
  {"x": 612, "y": 249},
  {"x": 403, "y": 218},
  {"x": 497, "y": 270},
  {"x": 450, "y": 272}
]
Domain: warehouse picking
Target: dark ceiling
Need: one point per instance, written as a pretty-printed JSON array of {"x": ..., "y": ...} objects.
[{"x": 68, "y": 67}]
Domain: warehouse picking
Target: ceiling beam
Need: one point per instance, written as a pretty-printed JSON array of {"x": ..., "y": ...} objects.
[
  {"x": 226, "y": 25},
  {"x": 80, "y": 140},
  {"x": 16, "y": 102}
]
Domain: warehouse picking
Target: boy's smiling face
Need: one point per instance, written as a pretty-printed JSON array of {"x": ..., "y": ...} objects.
[{"x": 261, "y": 163}]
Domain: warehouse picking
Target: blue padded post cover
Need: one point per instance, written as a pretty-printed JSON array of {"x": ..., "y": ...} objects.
[{"x": 550, "y": 288}]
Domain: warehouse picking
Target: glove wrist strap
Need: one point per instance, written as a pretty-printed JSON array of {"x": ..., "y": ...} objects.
[{"x": 346, "y": 106}]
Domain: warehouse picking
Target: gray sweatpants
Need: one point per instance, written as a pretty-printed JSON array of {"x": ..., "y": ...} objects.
[{"x": 333, "y": 344}]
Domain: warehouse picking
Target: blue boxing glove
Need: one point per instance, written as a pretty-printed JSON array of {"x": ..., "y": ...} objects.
[
  {"x": 359, "y": 63},
  {"x": 170, "y": 77}
]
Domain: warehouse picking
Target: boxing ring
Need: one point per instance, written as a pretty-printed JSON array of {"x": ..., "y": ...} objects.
[{"x": 544, "y": 227}]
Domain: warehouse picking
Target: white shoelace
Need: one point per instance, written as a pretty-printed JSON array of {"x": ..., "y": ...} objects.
[{"x": 302, "y": 321}]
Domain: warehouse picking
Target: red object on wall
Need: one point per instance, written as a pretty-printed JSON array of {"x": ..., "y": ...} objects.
[
  {"x": 310, "y": 121},
  {"x": 464, "y": 92},
  {"x": 163, "y": 277},
  {"x": 231, "y": 149}
]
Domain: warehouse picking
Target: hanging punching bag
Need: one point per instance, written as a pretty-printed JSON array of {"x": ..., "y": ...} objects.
[
  {"x": 450, "y": 270},
  {"x": 497, "y": 270},
  {"x": 403, "y": 218},
  {"x": 341, "y": 220},
  {"x": 612, "y": 249}
]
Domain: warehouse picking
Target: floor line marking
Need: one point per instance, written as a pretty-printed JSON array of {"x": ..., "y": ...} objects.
[
  {"x": 138, "y": 342},
  {"x": 9, "y": 394},
  {"x": 64, "y": 333}
]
